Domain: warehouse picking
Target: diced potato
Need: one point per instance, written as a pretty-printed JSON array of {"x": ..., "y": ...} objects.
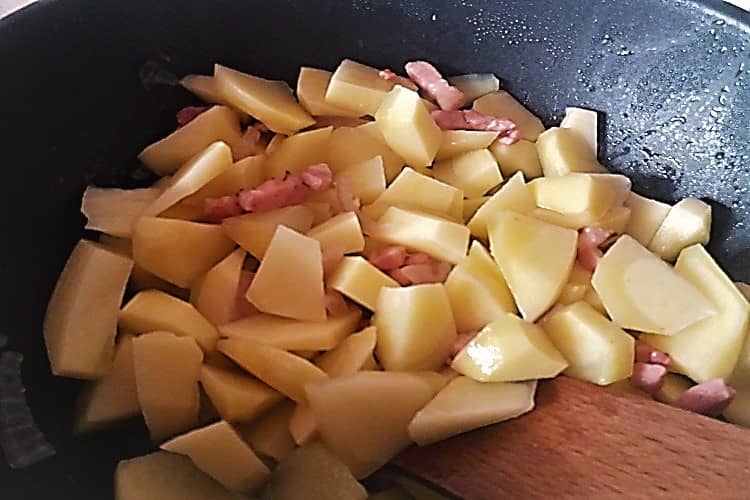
[
  {"x": 360, "y": 281},
  {"x": 176, "y": 250},
  {"x": 509, "y": 350},
  {"x": 165, "y": 476},
  {"x": 471, "y": 205},
  {"x": 456, "y": 142},
  {"x": 299, "y": 151},
  {"x": 477, "y": 290},
  {"x": 236, "y": 396},
  {"x": 292, "y": 262},
  {"x": 475, "y": 172},
  {"x": 641, "y": 292},
  {"x": 475, "y": 85},
  {"x": 293, "y": 335},
  {"x": 221, "y": 453},
  {"x": 321, "y": 211},
  {"x": 580, "y": 275},
  {"x": 350, "y": 356},
  {"x": 572, "y": 292},
  {"x": 465, "y": 404},
  {"x": 517, "y": 157},
  {"x": 585, "y": 122},
  {"x": 365, "y": 179},
  {"x": 302, "y": 425},
  {"x": 152, "y": 310},
  {"x": 350, "y": 146},
  {"x": 415, "y": 327},
  {"x": 686, "y": 223},
  {"x": 285, "y": 372},
  {"x": 217, "y": 296},
  {"x": 593, "y": 299},
  {"x": 615, "y": 220},
  {"x": 592, "y": 194},
  {"x": 709, "y": 348},
  {"x": 503, "y": 105},
  {"x": 408, "y": 127},
  {"x": 673, "y": 387},
  {"x": 339, "y": 121},
  {"x": 274, "y": 143},
  {"x": 363, "y": 418},
  {"x": 203, "y": 87},
  {"x": 270, "y": 101},
  {"x": 80, "y": 324},
  {"x": 437, "y": 237},
  {"x": 269, "y": 435},
  {"x": 535, "y": 258},
  {"x": 341, "y": 232},
  {"x": 184, "y": 211},
  {"x": 112, "y": 397},
  {"x": 114, "y": 211},
  {"x": 312, "y": 85},
  {"x": 254, "y": 232},
  {"x": 167, "y": 369},
  {"x": 596, "y": 349},
  {"x": 562, "y": 151},
  {"x": 167, "y": 155},
  {"x": 646, "y": 215},
  {"x": 314, "y": 472},
  {"x": 246, "y": 173},
  {"x": 738, "y": 411},
  {"x": 514, "y": 196}
]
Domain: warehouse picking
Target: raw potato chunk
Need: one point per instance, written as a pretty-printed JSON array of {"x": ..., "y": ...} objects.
[
  {"x": 167, "y": 369},
  {"x": 302, "y": 425},
  {"x": 595, "y": 348},
  {"x": 465, "y": 404},
  {"x": 514, "y": 196},
  {"x": 477, "y": 291},
  {"x": 299, "y": 151},
  {"x": 81, "y": 319},
  {"x": 165, "y": 476},
  {"x": 509, "y": 350},
  {"x": 687, "y": 223},
  {"x": 312, "y": 85},
  {"x": 350, "y": 356},
  {"x": 285, "y": 372},
  {"x": 475, "y": 85},
  {"x": 415, "y": 327},
  {"x": 502, "y": 105},
  {"x": 408, "y": 127},
  {"x": 178, "y": 251},
  {"x": 518, "y": 157},
  {"x": 615, "y": 220},
  {"x": 221, "y": 453},
  {"x": 292, "y": 262},
  {"x": 152, "y": 310},
  {"x": 269, "y": 101},
  {"x": 673, "y": 387},
  {"x": 321, "y": 211},
  {"x": 471, "y": 205},
  {"x": 269, "y": 435},
  {"x": 350, "y": 146},
  {"x": 114, "y": 211},
  {"x": 254, "y": 232},
  {"x": 456, "y": 142},
  {"x": 641, "y": 292},
  {"x": 360, "y": 281},
  {"x": 246, "y": 173},
  {"x": 646, "y": 215},
  {"x": 562, "y": 151},
  {"x": 590, "y": 194},
  {"x": 709, "y": 348},
  {"x": 218, "y": 296},
  {"x": 365, "y": 179},
  {"x": 583, "y": 121},
  {"x": 535, "y": 258},
  {"x": 572, "y": 292},
  {"x": 236, "y": 396},
  {"x": 439, "y": 238},
  {"x": 593, "y": 299},
  {"x": 292, "y": 335},
  {"x": 363, "y": 418},
  {"x": 112, "y": 397},
  {"x": 314, "y": 472},
  {"x": 341, "y": 232},
  {"x": 475, "y": 172},
  {"x": 193, "y": 175}
]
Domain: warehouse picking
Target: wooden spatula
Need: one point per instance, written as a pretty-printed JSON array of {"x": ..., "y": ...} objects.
[{"x": 584, "y": 441}]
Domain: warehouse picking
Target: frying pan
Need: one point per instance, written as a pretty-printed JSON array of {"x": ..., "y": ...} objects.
[{"x": 670, "y": 76}]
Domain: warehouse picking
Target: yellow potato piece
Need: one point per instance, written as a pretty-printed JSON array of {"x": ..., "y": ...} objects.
[
  {"x": 297, "y": 152},
  {"x": 269, "y": 435},
  {"x": 687, "y": 222},
  {"x": 270, "y": 101},
  {"x": 593, "y": 299},
  {"x": 709, "y": 348},
  {"x": 572, "y": 292},
  {"x": 341, "y": 232},
  {"x": 312, "y": 85},
  {"x": 81, "y": 319},
  {"x": 363, "y": 418},
  {"x": 219, "y": 451},
  {"x": 215, "y": 295},
  {"x": 360, "y": 281},
  {"x": 321, "y": 211},
  {"x": 502, "y": 105},
  {"x": 254, "y": 232},
  {"x": 167, "y": 155},
  {"x": 350, "y": 146},
  {"x": 457, "y": 142},
  {"x": 351, "y": 355},
  {"x": 302, "y": 425},
  {"x": 514, "y": 196},
  {"x": 641, "y": 292},
  {"x": 408, "y": 128},
  {"x": 236, "y": 396},
  {"x": 285, "y": 372},
  {"x": 167, "y": 369},
  {"x": 471, "y": 205},
  {"x": 365, "y": 179},
  {"x": 585, "y": 122},
  {"x": 615, "y": 220},
  {"x": 673, "y": 387},
  {"x": 246, "y": 173},
  {"x": 415, "y": 327},
  {"x": 593, "y": 194},
  {"x": 465, "y": 404},
  {"x": 518, "y": 157},
  {"x": 535, "y": 258},
  {"x": 293, "y": 335},
  {"x": 563, "y": 151},
  {"x": 152, "y": 310},
  {"x": 477, "y": 290},
  {"x": 474, "y": 173},
  {"x": 509, "y": 350},
  {"x": 738, "y": 411},
  {"x": 291, "y": 262},
  {"x": 646, "y": 215},
  {"x": 114, "y": 211}
]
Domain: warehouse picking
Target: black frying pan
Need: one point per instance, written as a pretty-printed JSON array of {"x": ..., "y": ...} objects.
[{"x": 672, "y": 77}]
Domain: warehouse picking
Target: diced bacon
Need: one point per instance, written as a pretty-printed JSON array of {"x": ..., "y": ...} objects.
[
  {"x": 346, "y": 197},
  {"x": 647, "y": 354},
  {"x": 218, "y": 209},
  {"x": 298, "y": 191},
  {"x": 480, "y": 121},
  {"x": 335, "y": 303},
  {"x": 418, "y": 258},
  {"x": 415, "y": 274},
  {"x": 399, "y": 276},
  {"x": 707, "y": 398},
  {"x": 274, "y": 193},
  {"x": 461, "y": 340},
  {"x": 648, "y": 377},
  {"x": 388, "y": 258},
  {"x": 474, "y": 120},
  {"x": 317, "y": 177},
  {"x": 387, "y": 74},
  {"x": 332, "y": 256},
  {"x": 261, "y": 127},
  {"x": 188, "y": 114},
  {"x": 590, "y": 240},
  {"x": 429, "y": 79}
]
